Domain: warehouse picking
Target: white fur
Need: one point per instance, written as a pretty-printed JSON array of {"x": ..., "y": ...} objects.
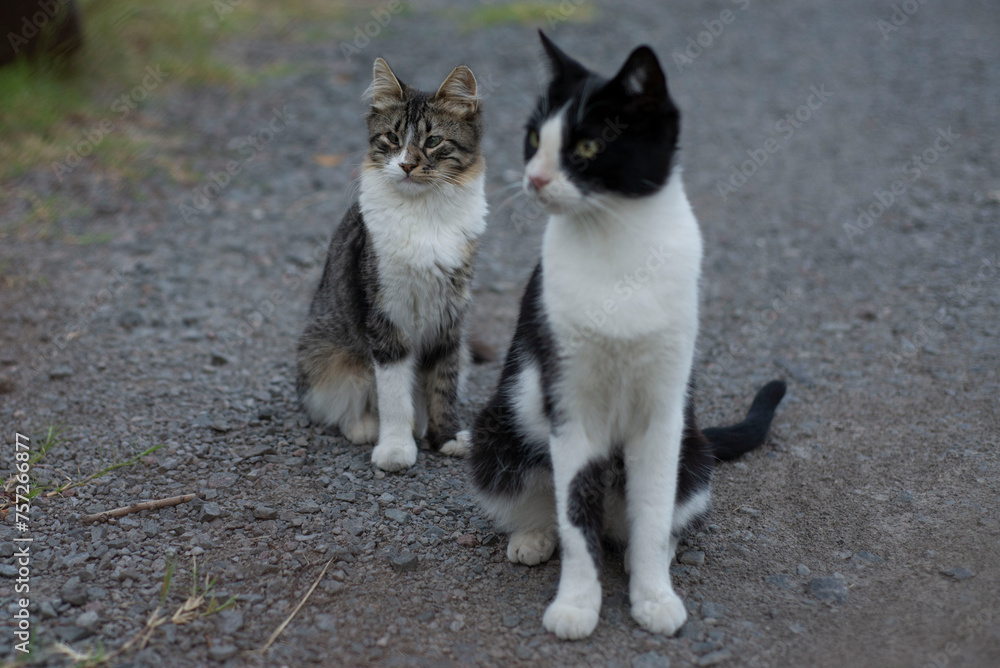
[
  {"x": 529, "y": 403},
  {"x": 420, "y": 233},
  {"x": 620, "y": 288}
]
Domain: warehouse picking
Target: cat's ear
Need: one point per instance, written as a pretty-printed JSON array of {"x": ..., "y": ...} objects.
[
  {"x": 562, "y": 66},
  {"x": 458, "y": 93},
  {"x": 642, "y": 77},
  {"x": 385, "y": 88}
]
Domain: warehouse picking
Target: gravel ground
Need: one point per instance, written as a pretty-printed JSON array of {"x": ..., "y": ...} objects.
[{"x": 866, "y": 533}]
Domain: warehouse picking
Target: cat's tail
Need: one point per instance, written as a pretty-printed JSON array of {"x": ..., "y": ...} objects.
[{"x": 732, "y": 441}]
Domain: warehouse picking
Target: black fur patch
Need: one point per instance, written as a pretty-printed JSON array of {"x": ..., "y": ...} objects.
[{"x": 586, "y": 504}]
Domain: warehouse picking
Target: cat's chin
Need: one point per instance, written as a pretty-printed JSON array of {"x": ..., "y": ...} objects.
[{"x": 410, "y": 187}]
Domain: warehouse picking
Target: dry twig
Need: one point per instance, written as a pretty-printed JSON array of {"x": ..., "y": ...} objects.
[
  {"x": 277, "y": 631},
  {"x": 138, "y": 507}
]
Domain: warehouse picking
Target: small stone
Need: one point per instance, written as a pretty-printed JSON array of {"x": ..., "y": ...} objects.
[
  {"x": 47, "y": 610},
  {"x": 692, "y": 558},
  {"x": 230, "y": 621},
  {"x": 222, "y": 653},
  {"x": 796, "y": 628},
  {"x": 130, "y": 319},
  {"x": 510, "y": 621},
  {"x": 397, "y": 515},
  {"x": 346, "y": 497},
  {"x": 864, "y": 558},
  {"x": 802, "y": 570},
  {"x": 150, "y": 528},
  {"x": 8, "y": 570},
  {"x": 71, "y": 634},
  {"x": 705, "y": 647},
  {"x": 958, "y": 573},
  {"x": 221, "y": 480},
  {"x": 74, "y": 591},
  {"x": 779, "y": 580},
  {"x": 746, "y": 510},
  {"x": 407, "y": 561},
  {"x": 265, "y": 513},
  {"x": 828, "y": 589},
  {"x": 210, "y": 511},
  {"x": 467, "y": 540},
  {"x": 220, "y": 359},
  {"x": 650, "y": 660},
  {"x": 60, "y": 372},
  {"x": 692, "y": 630},
  {"x": 88, "y": 620},
  {"x": 6, "y": 550},
  {"x": 713, "y": 658},
  {"x": 310, "y": 508},
  {"x": 712, "y": 610}
]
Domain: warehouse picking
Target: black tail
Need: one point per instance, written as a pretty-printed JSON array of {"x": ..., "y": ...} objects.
[{"x": 731, "y": 442}]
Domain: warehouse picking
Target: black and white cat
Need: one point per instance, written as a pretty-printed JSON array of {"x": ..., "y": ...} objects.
[
  {"x": 383, "y": 351},
  {"x": 591, "y": 433}
]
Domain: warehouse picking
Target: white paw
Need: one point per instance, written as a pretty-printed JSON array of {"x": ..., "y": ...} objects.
[
  {"x": 458, "y": 446},
  {"x": 531, "y": 547},
  {"x": 395, "y": 455},
  {"x": 659, "y": 611},
  {"x": 365, "y": 430},
  {"x": 570, "y": 621}
]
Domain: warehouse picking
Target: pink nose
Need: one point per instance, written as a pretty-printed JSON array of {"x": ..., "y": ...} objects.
[
  {"x": 407, "y": 166},
  {"x": 539, "y": 182}
]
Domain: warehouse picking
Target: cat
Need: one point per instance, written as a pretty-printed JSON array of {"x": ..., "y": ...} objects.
[
  {"x": 383, "y": 353},
  {"x": 591, "y": 433}
]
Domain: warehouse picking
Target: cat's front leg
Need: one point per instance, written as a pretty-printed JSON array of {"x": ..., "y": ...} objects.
[
  {"x": 578, "y": 466},
  {"x": 396, "y": 449},
  {"x": 443, "y": 369},
  {"x": 651, "y": 462}
]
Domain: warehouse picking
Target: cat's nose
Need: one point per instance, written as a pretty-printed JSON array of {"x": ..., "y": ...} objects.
[
  {"x": 407, "y": 166},
  {"x": 539, "y": 182}
]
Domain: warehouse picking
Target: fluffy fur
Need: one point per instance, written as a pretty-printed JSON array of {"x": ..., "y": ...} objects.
[
  {"x": 383, "y": 352},
  {"x": 591, "y": 433}
]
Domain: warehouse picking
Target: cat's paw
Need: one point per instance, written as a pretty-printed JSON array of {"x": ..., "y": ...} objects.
[
  {"x": 395, "y": 455},
  {"x": 364, "y": 431},
  {"x": 458, "y": 446},
  {"x": 570, "y": 621},
  {"x": 658, "y": 611},
  {"x": 531, "y": 547}
]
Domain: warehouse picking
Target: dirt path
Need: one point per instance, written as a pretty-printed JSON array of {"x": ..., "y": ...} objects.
[{"x": 866, "y": 533}]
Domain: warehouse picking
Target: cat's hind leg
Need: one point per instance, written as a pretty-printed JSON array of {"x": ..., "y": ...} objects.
[{"x": 337, "y": 388}]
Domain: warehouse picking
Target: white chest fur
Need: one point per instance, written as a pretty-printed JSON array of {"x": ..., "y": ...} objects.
[{"x": 419, "y": 241}]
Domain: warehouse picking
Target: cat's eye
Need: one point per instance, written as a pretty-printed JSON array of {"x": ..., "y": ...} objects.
[
  {"x": 433, "y": 141},
  {"x": 587, "y": 148},
  {"x": 391, "y": 136},
  {"x": 533, "y": 139}
]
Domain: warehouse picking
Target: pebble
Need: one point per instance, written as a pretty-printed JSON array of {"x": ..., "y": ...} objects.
[
  {"x": 863, "y": 557},
  {"x": 958, "y": 573},
  {"x": 74, "y": 591},
  {"x": 779, "y": 580},
  {"x": 210, "y": 511},
  {"x": 407, "y": 561},
  {"x": 229, "y": 621},
  {"x": 828, "y": 589},
  {"x": 650, "y": 660},
  {"x": 88, "y": 620},
  {"x": 221, "y": 480},
  {"x": 467, "y": 540},
  {"x": 713, "y": 658},
  {"x": 60, "y": 372},
  {"x": 510, "y": 621},
  {"x": 265, "y": 513},
  {"x": 711, "y": 610},
  {"x": 397, "y": 515},
  {"x": 8, "y": 570},
  {"x": 802, "y": 570},
  {"x": 692, "y": 557}
]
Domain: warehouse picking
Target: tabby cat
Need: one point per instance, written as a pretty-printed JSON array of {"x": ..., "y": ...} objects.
[{"x": 383, "y": 352}]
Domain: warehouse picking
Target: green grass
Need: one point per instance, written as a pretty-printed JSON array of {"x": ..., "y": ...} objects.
[
  {"x": 545, "y": 14},
  {"x": 47, "y": 110}
]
